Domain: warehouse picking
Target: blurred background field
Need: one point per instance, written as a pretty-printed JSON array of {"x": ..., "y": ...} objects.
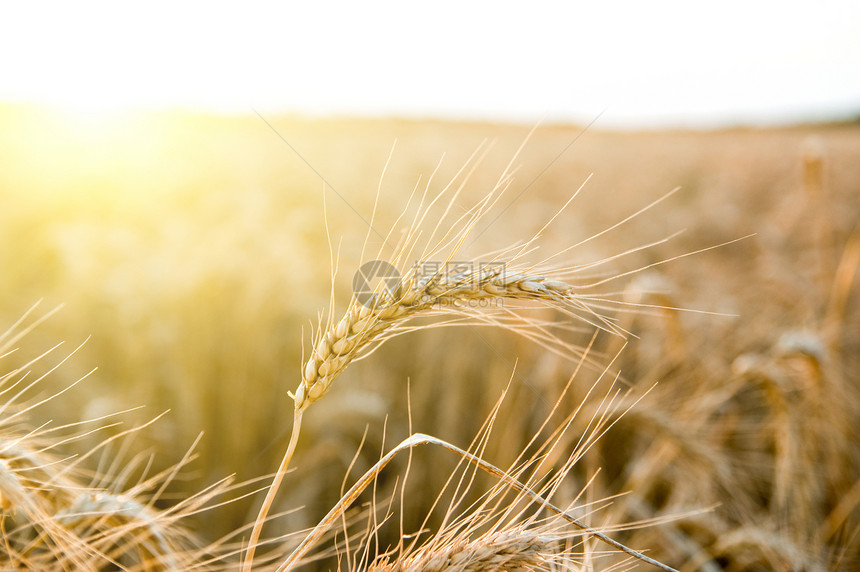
[{"x": 191, "y": 249}]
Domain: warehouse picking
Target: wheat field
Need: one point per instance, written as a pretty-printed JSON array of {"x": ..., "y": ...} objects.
[{"x": 672, "y": 366}]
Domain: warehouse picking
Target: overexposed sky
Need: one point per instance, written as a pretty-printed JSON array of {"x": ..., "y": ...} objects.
[{"x": 640, "y": 63}]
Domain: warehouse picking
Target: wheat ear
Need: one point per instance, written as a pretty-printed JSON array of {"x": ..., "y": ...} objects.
[
  {"x": 509, "y": 549},
  {"x": 364, "y": 325}
]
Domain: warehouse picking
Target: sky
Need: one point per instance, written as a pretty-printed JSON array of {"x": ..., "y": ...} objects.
[{"x": 623, "y": 63}]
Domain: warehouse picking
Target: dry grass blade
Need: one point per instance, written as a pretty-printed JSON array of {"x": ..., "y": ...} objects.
[{"x": 57, "y": 514}]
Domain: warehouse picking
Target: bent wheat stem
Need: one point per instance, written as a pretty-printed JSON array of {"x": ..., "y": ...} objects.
[{"x": 507, "y": 479}]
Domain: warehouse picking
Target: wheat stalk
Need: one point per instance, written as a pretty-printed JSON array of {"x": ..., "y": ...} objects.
[{"x": 386, "y": 314}]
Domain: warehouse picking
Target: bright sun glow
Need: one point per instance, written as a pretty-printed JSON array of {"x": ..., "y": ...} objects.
[
  {"x": 90, "y": 123},
  {"x": 637, "y": 63}
]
